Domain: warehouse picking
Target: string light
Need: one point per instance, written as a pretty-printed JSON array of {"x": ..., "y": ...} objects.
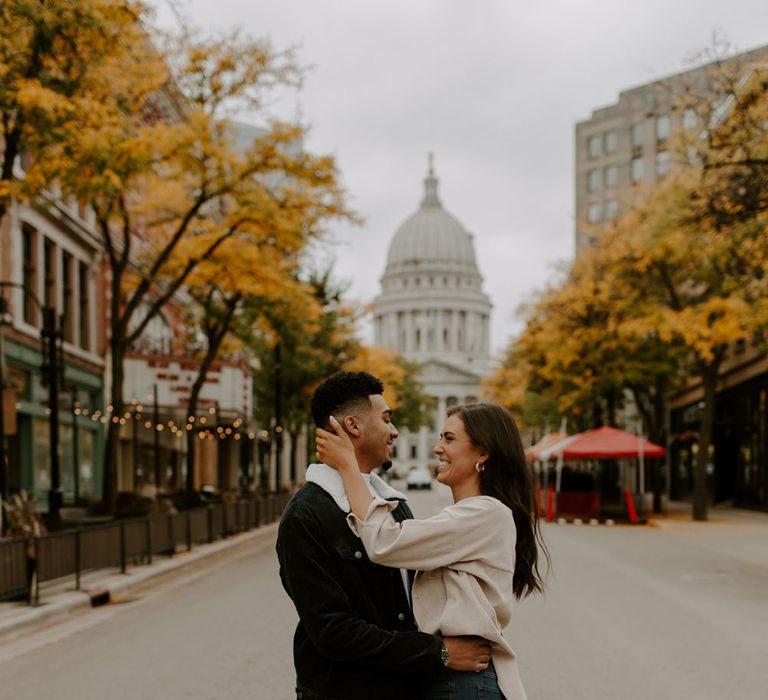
[{"x": 222, "y": 432}]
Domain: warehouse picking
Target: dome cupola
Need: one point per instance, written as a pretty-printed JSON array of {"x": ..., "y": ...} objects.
[{"x": 431, "y": 238}]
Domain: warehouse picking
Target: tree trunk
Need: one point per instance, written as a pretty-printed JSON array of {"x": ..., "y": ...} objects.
[
  {"x": 192, "y": 438},
  {"x": 112, "y": 449},
  {"x": 709, "y": 373}
]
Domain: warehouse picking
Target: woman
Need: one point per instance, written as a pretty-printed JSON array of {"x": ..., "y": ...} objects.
[{"x": 472, "y": 558}]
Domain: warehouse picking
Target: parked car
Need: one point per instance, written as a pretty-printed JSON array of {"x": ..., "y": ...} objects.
[{"x": 418, "y": 478}]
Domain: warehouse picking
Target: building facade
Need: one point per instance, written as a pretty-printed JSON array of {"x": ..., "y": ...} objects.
[
  {"x": 627, "y": 145},
  {"x": 619, "y": 150},
  {"x": 52, "y": 259},
  {"x": 433, "y": 311}
]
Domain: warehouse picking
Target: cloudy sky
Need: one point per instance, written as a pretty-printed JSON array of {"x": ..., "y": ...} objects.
[{"x": 493, "y": 87}]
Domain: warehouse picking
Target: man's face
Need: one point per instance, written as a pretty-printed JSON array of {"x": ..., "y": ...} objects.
[{"x": 377, "y": 434}]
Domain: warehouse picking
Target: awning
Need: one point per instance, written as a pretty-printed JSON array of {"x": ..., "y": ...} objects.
[
  {"x": 603, "y": 443},
  {"x": 550, "y": 439}
]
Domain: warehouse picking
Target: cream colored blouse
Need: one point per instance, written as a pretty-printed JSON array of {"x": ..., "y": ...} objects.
[{"x": 465, "y": 557}]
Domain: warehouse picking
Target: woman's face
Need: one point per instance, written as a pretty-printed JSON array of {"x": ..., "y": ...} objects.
[{"x": 457, "y": 454}]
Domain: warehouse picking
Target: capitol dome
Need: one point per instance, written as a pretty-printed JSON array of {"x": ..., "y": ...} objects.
[
  {"x": 431, "y": 238},
  {"x": 433, "y": 311}
]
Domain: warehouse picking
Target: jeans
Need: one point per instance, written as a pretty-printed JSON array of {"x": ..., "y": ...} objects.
[{"x": 466, "y": 685}]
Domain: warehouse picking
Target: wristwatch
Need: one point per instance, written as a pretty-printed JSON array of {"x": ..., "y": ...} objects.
[{"x": 444, "y": 656}]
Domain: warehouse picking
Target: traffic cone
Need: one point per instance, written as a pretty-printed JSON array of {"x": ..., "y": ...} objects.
[
  {"x": 630, "y": 506},
  {"x": 550, "y": 503}
]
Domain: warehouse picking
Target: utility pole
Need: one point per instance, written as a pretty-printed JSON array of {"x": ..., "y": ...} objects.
[
  {"x": 51, "y": 335},
  {"x": 278, "y": 418},
  {"x": 156, "y": 421}
]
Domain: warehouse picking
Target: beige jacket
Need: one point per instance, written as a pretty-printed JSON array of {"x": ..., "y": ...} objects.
[{"x": 465, "y": 556}]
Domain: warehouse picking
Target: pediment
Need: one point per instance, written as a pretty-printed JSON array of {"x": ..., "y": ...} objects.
[{"x": 439, "y": 371}]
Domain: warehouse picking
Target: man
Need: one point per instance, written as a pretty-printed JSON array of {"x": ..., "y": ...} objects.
[{"x": 356, "y": 638}]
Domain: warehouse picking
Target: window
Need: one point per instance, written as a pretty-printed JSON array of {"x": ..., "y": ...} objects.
[
  {"x": 611, "y": 209},
  {"x": 594, "y": 213},
  {"x": 414, "y": 451},
  {"x": 663, "y": 128},
  {"x": 611, "y": 142},
  {"x": 638, "y": 170},
  {"x": 611, "y": 176},
  {"x": 594, "y": 180},
  {"x": 662, "y": 163},
  {"x": 594, "y": 146},
  {"x": 84, "y": 295},
  {"x": 637, "y": 135},
  {"x": 29, "y": 274},
  {"x": 66, "y": 284}
]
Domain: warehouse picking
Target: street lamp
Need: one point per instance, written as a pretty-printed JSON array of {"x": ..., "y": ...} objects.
[
  {"x": 50, "y": 336},
  {"x": 5, "y": 320}
]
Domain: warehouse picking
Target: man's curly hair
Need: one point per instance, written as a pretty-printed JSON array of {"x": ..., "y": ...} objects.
[{"x": 343, "y": 392}]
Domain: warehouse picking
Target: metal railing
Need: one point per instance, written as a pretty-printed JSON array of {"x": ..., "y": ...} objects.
[{"x": 26, "y": 564}]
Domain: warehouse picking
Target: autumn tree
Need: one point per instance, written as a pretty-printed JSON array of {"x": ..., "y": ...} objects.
[
  {"x": 165, "y": 166},
  {"x": 697, "y": 246},
  {"x": 298, "y": 346},
  {"x": 55, "y": 57},
  {"x": 240, "y": 285}
]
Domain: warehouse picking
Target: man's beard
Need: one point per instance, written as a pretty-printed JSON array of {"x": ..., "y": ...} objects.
[{"x": 387, "y": 465}]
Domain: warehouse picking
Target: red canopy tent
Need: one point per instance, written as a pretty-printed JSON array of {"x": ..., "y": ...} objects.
[{"x": 607, "y": 443}]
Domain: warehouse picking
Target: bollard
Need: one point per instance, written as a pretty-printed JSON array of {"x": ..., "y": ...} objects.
[{"x": 550, "y": 500}]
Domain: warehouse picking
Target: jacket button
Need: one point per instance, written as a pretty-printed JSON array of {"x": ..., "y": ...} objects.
[
  {"x": 358, "y": 554},
  {"x": 299, "y": 695},
  {"x": 401, "y": 617}
]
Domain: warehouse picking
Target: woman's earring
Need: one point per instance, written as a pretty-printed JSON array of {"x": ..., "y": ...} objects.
[{"x": 479, "y": 467}]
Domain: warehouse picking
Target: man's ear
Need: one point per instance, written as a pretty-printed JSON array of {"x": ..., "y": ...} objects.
[{"x": 352, "y": 425}]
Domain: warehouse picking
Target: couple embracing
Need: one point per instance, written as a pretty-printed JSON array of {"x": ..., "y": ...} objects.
[{"x": 395, "y": 608}]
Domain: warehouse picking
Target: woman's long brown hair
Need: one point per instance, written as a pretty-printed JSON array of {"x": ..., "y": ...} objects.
[{"x": 509, "y": 478}]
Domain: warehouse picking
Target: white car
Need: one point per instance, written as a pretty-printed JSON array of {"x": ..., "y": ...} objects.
[{"x": 418, "y": 478}]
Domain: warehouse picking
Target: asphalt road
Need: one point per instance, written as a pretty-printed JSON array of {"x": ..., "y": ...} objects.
[{"x": 629, "y": 614}]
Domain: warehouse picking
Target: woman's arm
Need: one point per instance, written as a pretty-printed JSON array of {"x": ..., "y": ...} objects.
[{"x": 335, "y": 449}]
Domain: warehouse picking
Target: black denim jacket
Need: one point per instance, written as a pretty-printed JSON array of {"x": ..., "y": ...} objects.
[{"x": 356, "y": 638}]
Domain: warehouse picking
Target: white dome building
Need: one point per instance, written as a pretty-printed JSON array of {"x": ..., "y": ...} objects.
[{"x": 433, "y": 311}]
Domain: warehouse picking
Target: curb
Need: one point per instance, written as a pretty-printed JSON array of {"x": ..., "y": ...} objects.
[
  {"x": 112, "y": 585},
  {"x": 594, "y": 522}
]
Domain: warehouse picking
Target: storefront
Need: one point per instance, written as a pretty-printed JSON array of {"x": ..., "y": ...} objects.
[
  {"x": 738, "y": 465},
  {"x": 81, "y": 437}
]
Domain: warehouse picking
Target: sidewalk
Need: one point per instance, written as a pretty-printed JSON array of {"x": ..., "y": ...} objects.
[
  {"x": 60, "y": 599},
  {"x": 731, "y": 532}
]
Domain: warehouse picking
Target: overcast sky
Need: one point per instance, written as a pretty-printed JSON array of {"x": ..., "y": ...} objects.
[{"x": 494, "y": 88}]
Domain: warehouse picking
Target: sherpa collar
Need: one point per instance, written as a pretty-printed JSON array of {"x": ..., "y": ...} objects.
[{"x": 328, "y": 479}]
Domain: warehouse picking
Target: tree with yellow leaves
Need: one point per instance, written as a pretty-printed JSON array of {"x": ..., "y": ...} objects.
[
  {"x": 164, "y": 168},
  {"x": 55, "y": 59},
  {"x": 298, "y": 343}
]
